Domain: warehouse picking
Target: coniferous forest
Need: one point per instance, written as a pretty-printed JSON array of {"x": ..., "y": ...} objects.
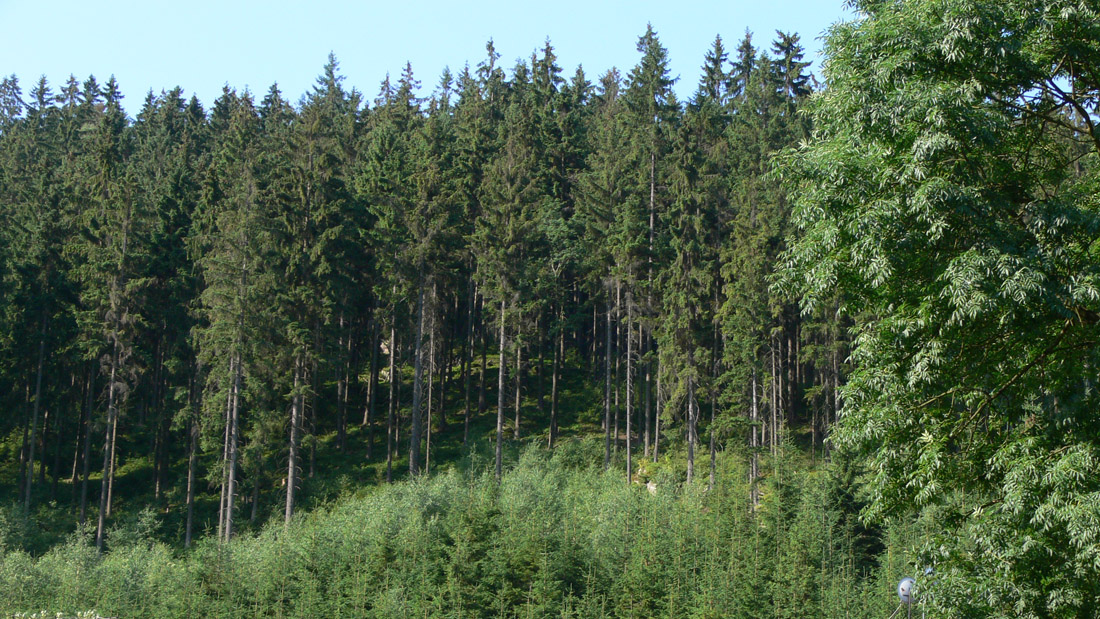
[{"x": 528, "y": 343}]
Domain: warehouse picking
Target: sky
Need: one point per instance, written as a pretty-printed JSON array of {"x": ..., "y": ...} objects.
[{"x": 202, "y": 45}]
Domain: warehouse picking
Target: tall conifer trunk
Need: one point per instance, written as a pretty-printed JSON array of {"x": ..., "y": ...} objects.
[
  {"x": 418, "y": 379},
  {"x": 109, "y": 445},
  {"x": 691, "y": 421},
  {"x": 87, "y": 458},
  {"x": 607, "y": 389},
  {"x": 391, "y": 417},
  {"x": 372, "y": 389},
  {"x": 34, "y": 414},
  {"x": 643, "y": 348},
  {"x": 629, "y": 380},
  {"x": 500, "y": 395},
  {"x": 519, "y": 386},
  {"x": 555, "y": 371},
  {"x": 754, "y": 466},
  {"x": 295, "y": 430},
  {"x": 657, "y": 414},
  {"x": 192, "y": 456},
  {"x": 234, "y": 438},
  {"x": 467, "y": 362}
]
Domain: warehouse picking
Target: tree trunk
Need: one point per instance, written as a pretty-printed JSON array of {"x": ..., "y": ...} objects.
[
  {"x": 519, "y": 386},
  {"x": 774, "y": 402},
  {"x": 555, "y": 370},
  {"x": 192, "y": 458},
  {"x": 34, "y": 415},
  {"x": 500, "y": 395},
  {"x": 643, "y": 345},
  {"x": 234, "y": 434},
  {"x": 391, "y": 418},
  {"x": 418, "y": 386},
  {"x": 314, "y": 393},
  {"x": 225, "y": 459},
  {"x": 467, "y": 362},
  {"x": 657, "y": 414},
  {"x": 691, "y": 420},
  {"x": 108, "y": 447},
  {"x": 87, "y": 458},
  {"x": 24, "y": 447},
  {"x": 713, "y": 400},
  {"x": 428, "y": 425},
  {"x": 295, "y": 429},
  {"x": 754, "y": 466},
  {"x": 344, "y": 343},
  {"x": 482, "y": 404},
  {"x": 81, "y": 429},
  {"x": 541, "y": 386},
  {"x": 629, "y": 381},
  {"x": 372, "y": 389},
  {"x": 618, "y": 364},
  {"x": 114, "y": 459},
  {"x": 607, "y": 390}
]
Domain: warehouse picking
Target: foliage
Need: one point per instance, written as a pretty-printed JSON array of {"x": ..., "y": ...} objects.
[
  {"x": 556, "y": 537},
  {"x": 950, "y": 195}
]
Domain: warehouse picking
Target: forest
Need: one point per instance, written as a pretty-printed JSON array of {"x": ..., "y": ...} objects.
[{"x": 533, "y": 345}]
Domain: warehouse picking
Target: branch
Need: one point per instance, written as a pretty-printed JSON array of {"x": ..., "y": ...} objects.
[{"x": 1015, "y": 377}]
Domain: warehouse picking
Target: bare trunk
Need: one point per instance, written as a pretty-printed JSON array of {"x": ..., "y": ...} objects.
[
  {"x": 81, "y": 430},
  {"x": 713, "y": 400},
  {"x": 657, "y": 414},
  {"x": 314, "y": 391},
  {"x": 691, "y": 416},
  {"x": 234, "y": 438},
  {"x": 644, "y": 345},
  {"x": 774, "y": 403},
  {"x": 372, "y": 389},
  {"x": 500, "y": 395},
  {"x": 114, "y": 458},
  {"x": 108, "y": 447},
  {"x": 467, "y": 362},
  {"x": 754, "y": 466},
  {"x": 295, "y": 429},
  {"x": 87, "y": 459},
  {"x": 34, "y": 414},
  {"x": 559, "y": 348},
  {"x": 192, "y": 459},
  {"x": 418, "y": 386},
  {"x": 482, "y": 403},
  {"x": 519, "y": 387},
  {"x": 391, "y": 420},
  {"x": 629, "y": 382},
  {"x": 618, "y": 364},
  {"x": 607, "y": 390},
  {"x": 428, "y": 425},
  {"x": 342, "y": 384},
  {"x": 225, "y": 458},
  {"x": 541, "y": 386}
]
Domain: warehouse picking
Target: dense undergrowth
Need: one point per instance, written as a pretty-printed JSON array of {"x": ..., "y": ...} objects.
[{"x": 556, "y": 537}]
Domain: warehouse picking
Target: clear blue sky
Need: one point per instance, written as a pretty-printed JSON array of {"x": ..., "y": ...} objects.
[{"x": 201, "y": 45}]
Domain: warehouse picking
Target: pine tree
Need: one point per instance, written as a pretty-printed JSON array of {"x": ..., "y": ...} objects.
[
  {"x": 114, "y": 244},
  {"x": 651, "y": 112}
]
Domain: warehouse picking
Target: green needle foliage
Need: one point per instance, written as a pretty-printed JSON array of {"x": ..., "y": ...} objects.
[{"x": 210, "y": 317}]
